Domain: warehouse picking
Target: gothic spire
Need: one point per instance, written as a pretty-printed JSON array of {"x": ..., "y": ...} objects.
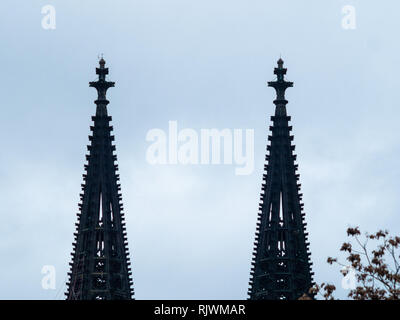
[
  {"x": 100, "y": 267},
  {"x": 281, "y": 267}
]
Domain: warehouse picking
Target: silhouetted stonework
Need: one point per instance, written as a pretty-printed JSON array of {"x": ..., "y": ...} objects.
[
  {"x": 281, "y": 267},
  {"x": 100, "y": 267}
]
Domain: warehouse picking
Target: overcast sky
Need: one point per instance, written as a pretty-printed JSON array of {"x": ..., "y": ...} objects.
[{"x": 204, "y": 64}]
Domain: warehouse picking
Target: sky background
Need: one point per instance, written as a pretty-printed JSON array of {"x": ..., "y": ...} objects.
[{"x": 204, "y": 64}]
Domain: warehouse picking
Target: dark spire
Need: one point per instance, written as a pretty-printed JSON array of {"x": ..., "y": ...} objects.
[
  {"x": 100, "y": 267},
  {"x": 281, "y": 268}
]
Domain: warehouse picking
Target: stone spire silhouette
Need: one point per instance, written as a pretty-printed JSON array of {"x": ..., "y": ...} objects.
[
  {"x": 100, "y": 267},
  {"x": 281, "y": 267}
]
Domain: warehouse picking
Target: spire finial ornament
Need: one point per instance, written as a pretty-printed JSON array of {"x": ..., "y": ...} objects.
[
  {"x": 280, "y": 84},
  {"x": 102, "y": 62},
  {"x": 102, "y": 86}
]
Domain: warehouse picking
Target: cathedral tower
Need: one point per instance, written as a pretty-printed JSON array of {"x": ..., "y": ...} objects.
[
  {"x": 100, "y": 267},
  {"x": 281, "y": 267}
]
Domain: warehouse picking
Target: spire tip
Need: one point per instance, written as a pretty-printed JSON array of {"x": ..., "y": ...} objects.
[
  {"x": 280, "y": 62},
  {"x": 102, "y": 62}
]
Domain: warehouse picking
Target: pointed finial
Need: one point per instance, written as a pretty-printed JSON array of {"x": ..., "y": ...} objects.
[
  {"x": 102, "y": 62},
  {"x": 280, "y": 71},
  {"x": 101, "y": 84},
  {"x": 280, "y": 84},
  {"x": 280, "y": 63}
]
